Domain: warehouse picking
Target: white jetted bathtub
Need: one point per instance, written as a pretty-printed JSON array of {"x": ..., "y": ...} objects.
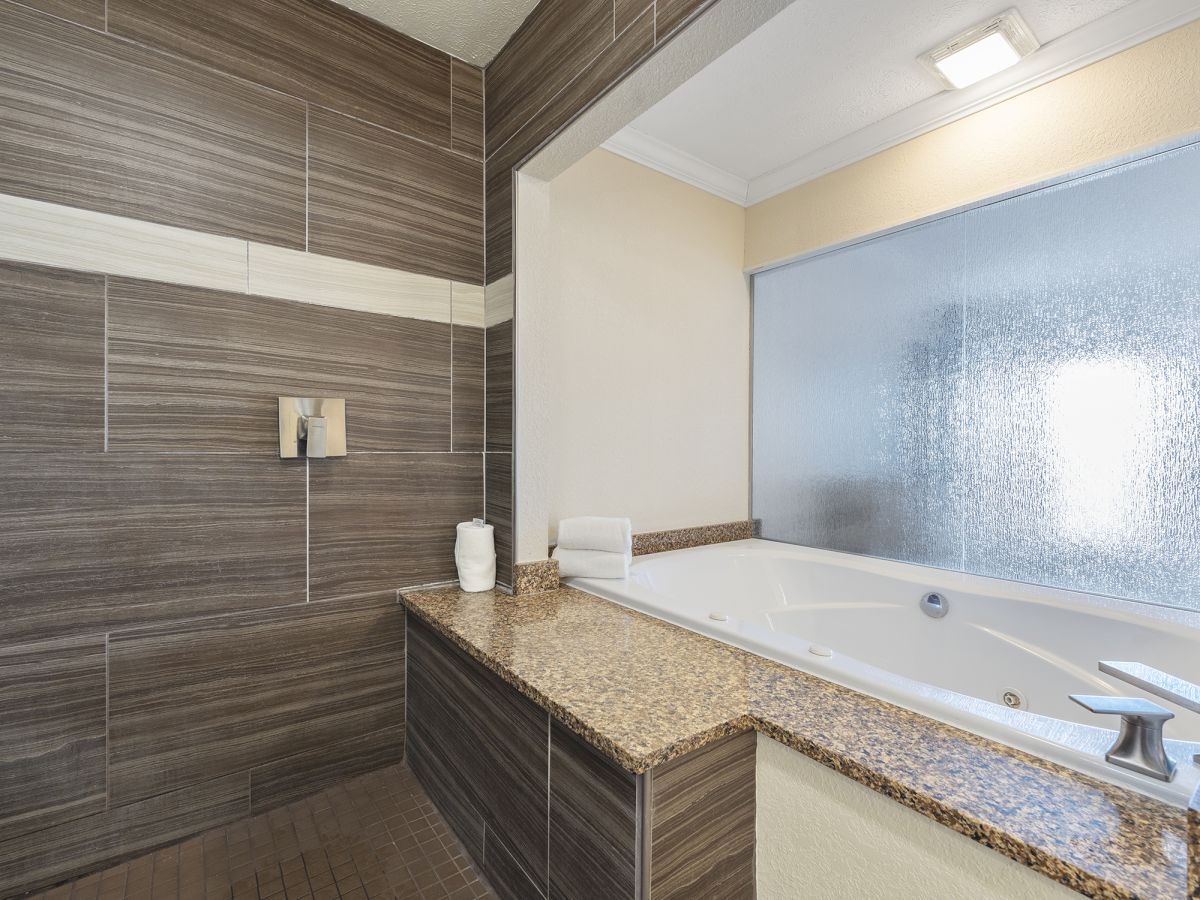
[{"x": 859, "y": 621}]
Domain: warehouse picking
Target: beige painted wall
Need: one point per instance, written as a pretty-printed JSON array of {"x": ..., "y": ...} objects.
[
  {"x": 633, "y": 352},
  {"x": 822, "y": 836},
  {"x": 1146, "y": 95}
]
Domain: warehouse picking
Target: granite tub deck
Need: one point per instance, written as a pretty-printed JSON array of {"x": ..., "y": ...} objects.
[
  {"x": 644, "y": 692},
  {"x": 1194, "y": 852}
]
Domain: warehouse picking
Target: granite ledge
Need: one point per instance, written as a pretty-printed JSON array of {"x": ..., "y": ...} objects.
[
  {"x": 1194, "y": 848},
  {"x": 643, "y": 692}
]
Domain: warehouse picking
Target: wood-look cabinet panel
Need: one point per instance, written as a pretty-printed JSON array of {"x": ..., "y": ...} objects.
[
  {"x": 492, "y": 744},
  {"x": 593, "y": 823},
  {"x": 96, "y": 122},
  {"x": 313, "y": 49}
]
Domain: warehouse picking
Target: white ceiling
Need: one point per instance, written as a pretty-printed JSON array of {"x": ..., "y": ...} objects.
[
  {"x": 472, "y": 30},
  {"x": 827, "y": 82}
]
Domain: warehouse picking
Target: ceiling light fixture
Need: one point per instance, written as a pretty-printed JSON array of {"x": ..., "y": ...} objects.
[{"x": 998, "y": 44}]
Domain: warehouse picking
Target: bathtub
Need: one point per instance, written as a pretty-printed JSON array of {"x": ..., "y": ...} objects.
[{"x": 1000, "y": 663}]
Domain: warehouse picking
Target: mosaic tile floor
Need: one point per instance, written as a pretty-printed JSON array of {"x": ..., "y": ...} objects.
[{"x": 377, "y": 836}]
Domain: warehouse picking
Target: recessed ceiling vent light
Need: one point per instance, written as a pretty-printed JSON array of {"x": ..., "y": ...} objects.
[{"x": 999, "y": 43}]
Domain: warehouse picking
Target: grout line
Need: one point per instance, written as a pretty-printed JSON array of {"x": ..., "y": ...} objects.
[
  {"x": 105, "y": 386},
  {"x": 107, "y": 723},
  {"x": 307, "y": 533},
  {"x": 307, "y": 190}
]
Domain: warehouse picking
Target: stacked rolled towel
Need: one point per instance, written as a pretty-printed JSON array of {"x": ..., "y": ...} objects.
[{"x": 594, "y": 547}]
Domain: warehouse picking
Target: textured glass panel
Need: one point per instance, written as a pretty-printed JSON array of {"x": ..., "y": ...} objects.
[
  {"x": 856, "y": 367},
  {"x": 1013, "y": 390},
  {"x": 1082, "y": 349}
]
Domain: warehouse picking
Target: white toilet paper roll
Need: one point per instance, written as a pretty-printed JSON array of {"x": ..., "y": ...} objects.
[{"x": 475, "y": 556}]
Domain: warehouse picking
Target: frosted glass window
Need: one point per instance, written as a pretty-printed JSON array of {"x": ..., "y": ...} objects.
[{"x": 1013, "y": 390}]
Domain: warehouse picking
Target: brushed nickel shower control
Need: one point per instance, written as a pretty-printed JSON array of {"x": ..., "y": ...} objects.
[{"x": 312, "y": 427}]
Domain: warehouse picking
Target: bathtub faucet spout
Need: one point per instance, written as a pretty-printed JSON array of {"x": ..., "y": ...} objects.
[{"x": 1139, "y": 746}]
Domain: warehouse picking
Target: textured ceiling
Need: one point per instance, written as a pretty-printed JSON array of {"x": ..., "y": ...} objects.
[
  {"x": 822, "y": 70},
  {"x": 473, "y": 30}
]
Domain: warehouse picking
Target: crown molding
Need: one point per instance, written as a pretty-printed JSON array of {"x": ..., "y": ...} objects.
[
  {"x": 662, "y": 157},
  {"x": 1126, "y": 27}
]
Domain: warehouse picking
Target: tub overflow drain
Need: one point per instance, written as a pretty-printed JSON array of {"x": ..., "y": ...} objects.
[{"x": 934, "y": 605}]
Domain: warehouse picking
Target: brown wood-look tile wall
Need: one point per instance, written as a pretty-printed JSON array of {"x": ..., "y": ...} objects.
[
  {"x": 500, "y": 387},
  {"x": 384, "y": 198},
  {"x": 702, "y": 823},
  {"x": 97, "y": 542},
  {"x": 97, "y": 122},
  {"x": 593, "y": 823},
  {"x": 82, "y": 845},
  {"x": 193, "y": 369},
  {"x": 317, "y": 50},
  {"x": 382, "y": 521},
  {"x": 466, "y": 126},
  {"x": 52, "y": 345},
  {"x": 83, "y": 12},
  {"x": 563, "y": 58},
  {"x": 499, "y": 490},
  {"x": 152, "y": 532},
  {"x": 468, "y": 388},
  {"x": 189, "y": 700},
  {"x": 197, "y": 115},
  {"x": 487, "y": 748},
  {"x": 52, "y": 704}
]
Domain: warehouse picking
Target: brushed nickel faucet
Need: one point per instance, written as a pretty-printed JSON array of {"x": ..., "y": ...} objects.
[{"x": 1139, "y": 746}]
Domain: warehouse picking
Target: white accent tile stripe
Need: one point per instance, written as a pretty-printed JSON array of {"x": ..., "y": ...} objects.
[
  {"x": 468, "y": 305},
  {"x": 49, "y": 234},
  {"x": 327, "y": 281},
  {"x": 499, "y": 301}
]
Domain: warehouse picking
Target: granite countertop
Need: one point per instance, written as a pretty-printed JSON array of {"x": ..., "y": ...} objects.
[{"x": 644, "y": 691}]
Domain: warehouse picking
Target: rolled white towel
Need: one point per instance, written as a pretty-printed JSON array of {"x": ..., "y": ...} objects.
[
  {"x": 475, "y": 556},
  {"x": 591, "y": 563},
  {"x": 596, "y": 533}
]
